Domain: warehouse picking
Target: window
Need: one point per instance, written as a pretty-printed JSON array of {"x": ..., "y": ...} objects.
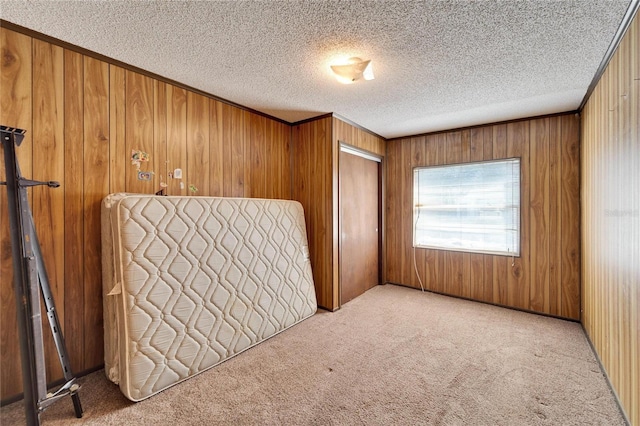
[{"x": 472, "y": 207}]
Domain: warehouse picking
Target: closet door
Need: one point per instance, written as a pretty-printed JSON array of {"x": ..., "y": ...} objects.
[{"x": 359, "y": 224}]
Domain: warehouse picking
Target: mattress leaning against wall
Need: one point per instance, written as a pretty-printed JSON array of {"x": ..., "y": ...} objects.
[{"x": 189, "y": 282}]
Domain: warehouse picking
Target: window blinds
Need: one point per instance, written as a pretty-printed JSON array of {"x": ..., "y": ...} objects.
[{"x": 471, "y": 207}]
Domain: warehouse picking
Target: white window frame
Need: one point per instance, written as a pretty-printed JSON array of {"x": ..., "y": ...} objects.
[{"x": 511, "y": 206}]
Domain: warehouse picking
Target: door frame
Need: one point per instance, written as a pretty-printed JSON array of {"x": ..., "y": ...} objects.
[{"x": 350, "y": 149}]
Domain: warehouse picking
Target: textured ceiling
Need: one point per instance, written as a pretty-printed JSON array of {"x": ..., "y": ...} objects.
[{"x": 437, "y": 64}]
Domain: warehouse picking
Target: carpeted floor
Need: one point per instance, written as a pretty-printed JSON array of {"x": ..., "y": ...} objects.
[{"x": 392, "y": 356}]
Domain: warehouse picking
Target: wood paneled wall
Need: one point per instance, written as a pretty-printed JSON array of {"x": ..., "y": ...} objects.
[
  {"x": 611, "y": 221},
  {"x": 354, "y": 136},
  {"x": 546, "y": 276},
  {"x": 315, "y": 165},
  {"x": 83, "y": 117},
  {"x": 312, "y": 162}
]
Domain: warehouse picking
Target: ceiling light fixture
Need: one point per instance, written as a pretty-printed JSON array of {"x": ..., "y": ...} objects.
[{"x": 354, "y": 70}]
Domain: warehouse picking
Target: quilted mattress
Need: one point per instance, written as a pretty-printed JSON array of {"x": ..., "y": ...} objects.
[{"x": 189, "y": 282}]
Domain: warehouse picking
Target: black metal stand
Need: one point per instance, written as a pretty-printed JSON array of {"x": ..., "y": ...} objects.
[{"x": 29, "y": 275}]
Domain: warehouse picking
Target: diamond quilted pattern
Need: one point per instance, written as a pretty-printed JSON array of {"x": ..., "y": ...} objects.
[
  {"x": 203, "y": 279},
  {"x": 162, "y": 334}
]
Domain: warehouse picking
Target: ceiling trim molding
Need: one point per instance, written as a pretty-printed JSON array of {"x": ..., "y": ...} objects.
[
  {"x": 617, "y": 38},
  {"x": 309, "y": 120},
  {"x": 65, "y": 45}
]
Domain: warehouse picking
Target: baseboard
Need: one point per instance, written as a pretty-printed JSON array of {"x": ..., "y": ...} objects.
[
  {"x": 606, "y": 376},
  {"x": 528, "y": 311}
]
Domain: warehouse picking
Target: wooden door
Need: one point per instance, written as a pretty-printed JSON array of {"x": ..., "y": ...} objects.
[{"x": 359, "y": 225}]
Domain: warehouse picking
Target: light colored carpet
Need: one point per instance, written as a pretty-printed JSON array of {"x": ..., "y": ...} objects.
[{"x": 392, "y": 356}]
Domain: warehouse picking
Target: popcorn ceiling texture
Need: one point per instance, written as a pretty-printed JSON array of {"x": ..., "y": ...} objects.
[{"x": 438, "y": 64}]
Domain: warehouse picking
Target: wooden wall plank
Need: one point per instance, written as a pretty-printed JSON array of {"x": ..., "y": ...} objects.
[
  {"x": 299, "y": 187},
  {"x": 119, "y": 161},
  {"x": 418, "y": 152},
  {"x": 236, "y": 134},
  {"x": 611, "y": 198},
  {"x": 392, "y": 212},
  {"x": 406, "y": 217},
  {"x": 159, "y": 159},
  {"x": 216, "y": 149},
  {"x": 283, "y": 162},
  {"x": 434, "y": 258},
  {"x": 16, "y": 111},
  {"x": 283, "y": 158},
  {"x": 48, "y": 164},
  {"x": 74, "y": 207},
  {"x": 257, "y": 141},
  {"x": 555, "y": 208},
  {"x": 318, "y": 160},
  {"x": 518, "y": 285},
  {"x": 139, "y": 110},
  {"x": 315, "y": 154},
  {"x": 227, "y": 142},
  {"x": 176, "y": 137},
  {"x": 96, "y": 153},
  {"x": 570, "y": 217},
  {"x": 330, "y": 152},
  {"x": 246, "y": 153},
  {"x": 539, "y": 214},
  {"x": 16, "y": 78},
  {"x": 197, "y": 171},
  {"x": 272, "y": 167},
  {"x": 284, "y": 166}
]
